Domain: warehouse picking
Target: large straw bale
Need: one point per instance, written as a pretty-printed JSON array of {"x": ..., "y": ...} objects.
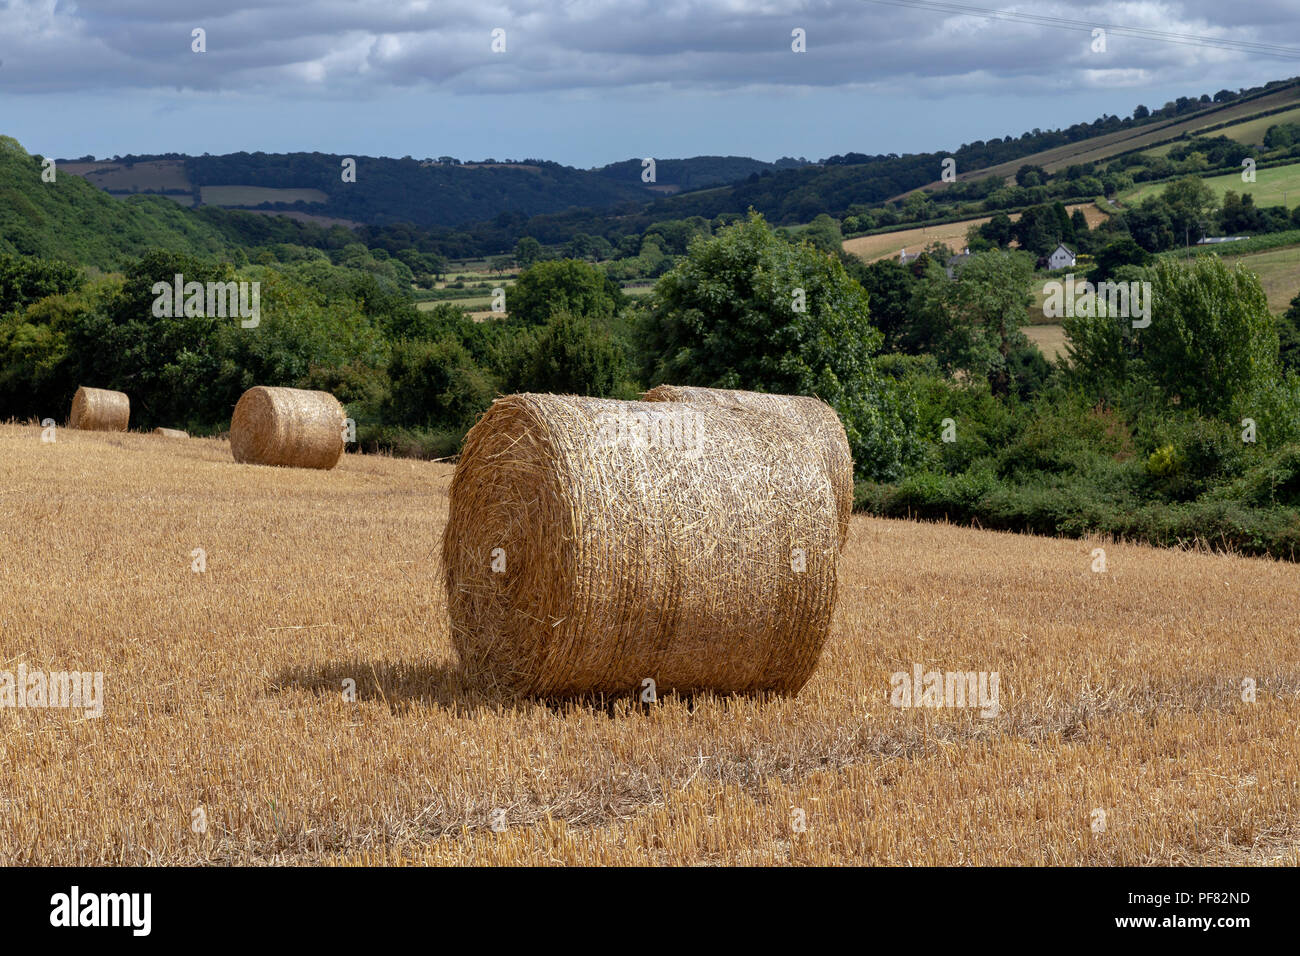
[
  {"x": 287, "y": 426},
  {"x": 817, "y": 420},
  {"x": 593, "y": 544},
  {"x": 171, "y": 433},
  {"x": 99, "y": 410}
]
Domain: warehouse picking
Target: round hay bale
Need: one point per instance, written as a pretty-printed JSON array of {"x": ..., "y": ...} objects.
[
  {"x": 593, "y": 544},
  {"x": 811, "y": 415},
  {"x": 99, "y": 410},
  {"x": 287, "y": 426},
  {"x": 171, "y": 433}
]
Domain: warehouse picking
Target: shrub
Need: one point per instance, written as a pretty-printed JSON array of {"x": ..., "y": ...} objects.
[
  {"x": 436, "y": 385},
  {"x": 1272, "y": 481},
  {"x": 1190, "y": 454},
  {"x": 569, "y": 355}
]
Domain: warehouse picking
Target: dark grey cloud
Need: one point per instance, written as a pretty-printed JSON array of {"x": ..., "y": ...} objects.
[{"x": 342, "y": 48}]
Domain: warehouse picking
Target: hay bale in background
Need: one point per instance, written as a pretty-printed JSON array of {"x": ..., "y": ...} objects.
[
  {"x": 287, "y": 426},
  {"x": 171, "y": 433},
  {"x": 99, "y": 410},
  {"x": 811, "y": 415},
  {"x": 589, "y": 547}
]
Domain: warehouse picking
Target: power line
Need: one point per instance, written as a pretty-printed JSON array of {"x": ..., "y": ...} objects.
[{"x": 1062, "y": 23}]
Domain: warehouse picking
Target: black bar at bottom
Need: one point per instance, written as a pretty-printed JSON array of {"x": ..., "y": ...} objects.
[{"x": 910, "y": 906}]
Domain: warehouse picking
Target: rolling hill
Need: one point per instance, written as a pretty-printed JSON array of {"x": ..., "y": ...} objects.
[
  {"x": 1256, "y": 108},
  {"x": 72, "y": 220},
  {"x": 428, "y": 193}
]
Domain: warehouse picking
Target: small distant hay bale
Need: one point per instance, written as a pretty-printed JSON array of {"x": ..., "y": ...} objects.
[
  {"x": 171, "y": 433},
  {"x": 811, "y": 415},
  {"x": 593, "y": 544},
  {"x": 287, "y": 426},
  {"x": 99, "y": 410}
]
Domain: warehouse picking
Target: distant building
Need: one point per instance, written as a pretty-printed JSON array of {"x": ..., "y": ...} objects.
[
  {"x": 904, "y": 258},
  {"x": 1061, "y": 258},
  {"x": 953, "y": 262},
  {"x": 1214, "y": 240}
]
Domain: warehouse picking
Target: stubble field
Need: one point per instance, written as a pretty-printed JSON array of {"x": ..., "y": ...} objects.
[
  {"x": 1123, "y": 736},
  {"x": 887, "y": 245}
]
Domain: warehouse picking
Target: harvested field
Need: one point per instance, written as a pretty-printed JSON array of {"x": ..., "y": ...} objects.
[
  {"x": 1120, "y": 692},
  {"x": 1050, "y": 340},
  {"x": 147, "y": 176},
  {"x": 885, "y": 245}
]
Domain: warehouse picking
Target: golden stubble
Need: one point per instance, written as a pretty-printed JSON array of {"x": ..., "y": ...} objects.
[{"x": 1120, "y": 691}]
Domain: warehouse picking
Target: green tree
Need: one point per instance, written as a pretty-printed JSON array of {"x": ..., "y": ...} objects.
[
  {"x": 824, "y": 233},
  {"x": 36, "y": 369},
  {"x": 890, "y": 289},
  {"x": 24, "y": 279},
  {"x": 1119, "y": 252},
  {"x": 1039, "y": 229},
  {"x": 1029, "y": 175},
  {"x": 1079, "y": 226},
  {"x": 745, "y": 309},
  {"x": 1151, "y": 225},
  {"x": 545, "y": 288},
  {"x": 1288, "y": 334},
  {"x": 974, "y": 321},
  {"x": 997, "y": 230},
  {"x": 1212, "y": 344},
  {"x": 580, "y": 246},
  {"x": 166, "y": 363},
  {"x": 1192, "y": 204},
  {"x": 527, "y": 251},
  {"x": 652, "y": 260}
]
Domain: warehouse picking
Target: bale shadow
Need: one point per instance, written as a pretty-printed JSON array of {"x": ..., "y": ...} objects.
[
  {"x": 401, "y": 683},
  {"x": 392, "y": 683}
]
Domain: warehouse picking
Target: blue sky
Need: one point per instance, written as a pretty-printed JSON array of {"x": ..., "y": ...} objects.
[{"x": 589, "y": 82}]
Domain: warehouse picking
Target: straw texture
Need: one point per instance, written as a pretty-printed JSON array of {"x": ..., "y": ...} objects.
[
  {"x": 99, "y": 410},
  {"x": 171, "y": 433},
  {"x": 287, "y": 426},
  {"x": 623, "y": 552},
  {"x": 818, "y": 421}
]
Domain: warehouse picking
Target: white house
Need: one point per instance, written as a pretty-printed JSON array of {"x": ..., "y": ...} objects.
[{"x": 1061, "y": 258}]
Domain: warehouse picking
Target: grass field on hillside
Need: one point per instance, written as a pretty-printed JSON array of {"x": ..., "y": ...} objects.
[
  {"x": 1268, "y": 188},
  {"x": 256, "y": 195},
  {"x": 1252, "y": 131},
  {"x": 1099, "y": 148},
  {"x": 1123, "y": 736},
  {"x": 1279, "y": 273}
]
